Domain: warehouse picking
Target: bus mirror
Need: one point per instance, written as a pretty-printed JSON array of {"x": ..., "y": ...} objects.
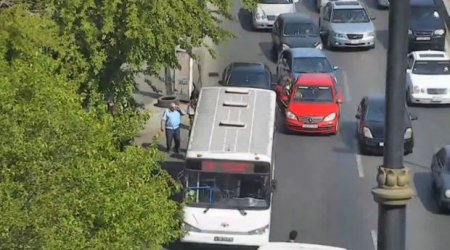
[{"x": 273, "y": 185}]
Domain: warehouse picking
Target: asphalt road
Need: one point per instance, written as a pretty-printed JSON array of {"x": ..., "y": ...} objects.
[{"x": 323, "y": 184}]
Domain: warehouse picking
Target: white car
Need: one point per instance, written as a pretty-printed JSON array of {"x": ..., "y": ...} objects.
[
  {"x": 267, "y": 11},
  {"x": 428, "y": 77}
]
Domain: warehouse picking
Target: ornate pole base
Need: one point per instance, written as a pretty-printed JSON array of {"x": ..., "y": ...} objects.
[{"x": 393, "y": 186}]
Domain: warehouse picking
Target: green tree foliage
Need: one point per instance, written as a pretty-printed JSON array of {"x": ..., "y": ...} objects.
[
  {"x": 119, "y": 38},
  {"x": 63, "y": 182}
]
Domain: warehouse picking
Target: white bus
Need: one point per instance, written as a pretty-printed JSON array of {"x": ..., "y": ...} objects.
[{"x": 228, "y": 174}]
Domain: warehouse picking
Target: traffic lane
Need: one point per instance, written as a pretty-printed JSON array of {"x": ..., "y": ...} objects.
[{"x": 319, "y": 193}]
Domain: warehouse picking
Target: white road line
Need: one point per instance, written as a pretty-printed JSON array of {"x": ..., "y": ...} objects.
[
  {"x": 359, "y": 166},
  {"x": 374, "y": 235},
  {"x": 347, "y": 96}
]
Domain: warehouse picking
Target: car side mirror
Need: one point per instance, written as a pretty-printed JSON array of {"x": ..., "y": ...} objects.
[
  {"x": 335, "y": 68},
  {"x": 285, "y": 98},
  {"x": 339, "y": 101},
  {"x": 413, "y": 117},
  {"x": 372, "y": 18},
  {"x": 358, "y": 116}
]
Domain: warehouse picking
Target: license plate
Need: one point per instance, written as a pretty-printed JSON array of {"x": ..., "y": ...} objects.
[
  {"x": 381, "y": 144},
  {"x": 423, "y": 38},
  {"x": 225, "y": 239},
  {"x": 310, "y": 126},
  {"x": 355, "y": 41},
  {"x": 436, "y": 99}
]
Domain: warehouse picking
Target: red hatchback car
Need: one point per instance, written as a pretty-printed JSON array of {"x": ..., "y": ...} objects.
[{"x": 312, "y": 104}]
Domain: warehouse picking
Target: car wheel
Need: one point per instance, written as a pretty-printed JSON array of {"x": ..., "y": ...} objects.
[
  {"x": 329, "y": 44},
  {"x": 408, "y": 151},
  {"x": 408, "y": 98}
]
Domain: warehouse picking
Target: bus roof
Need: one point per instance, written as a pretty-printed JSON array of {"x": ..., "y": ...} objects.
[
  {"x": 296, "y": 246},
  {"x": 233, "y": 123}
]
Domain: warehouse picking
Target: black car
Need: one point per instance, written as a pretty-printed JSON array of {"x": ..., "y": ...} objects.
[
  {"x": 440, "y": 170},
  {"x": 294, "y": 30},
  {"x": 370, "y": 126},
  {"x": 426, "y": 26},
  {"x": 250, "y": 75}
]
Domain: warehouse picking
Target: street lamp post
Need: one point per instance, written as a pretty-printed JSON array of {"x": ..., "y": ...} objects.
[{"x": 393, "y": 190}]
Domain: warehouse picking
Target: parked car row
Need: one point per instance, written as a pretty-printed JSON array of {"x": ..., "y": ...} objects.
[{"x": 306, "y": 83}]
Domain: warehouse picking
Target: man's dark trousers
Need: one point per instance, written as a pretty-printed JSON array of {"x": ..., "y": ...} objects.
[{"x": 173, "y": 134}]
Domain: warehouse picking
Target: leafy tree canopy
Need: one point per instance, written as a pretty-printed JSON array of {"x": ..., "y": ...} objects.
[{"x": 63, "y": 182}]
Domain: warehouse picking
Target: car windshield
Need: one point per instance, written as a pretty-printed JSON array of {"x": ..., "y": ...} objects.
[
  {"x": 431, "y": 68},
  {"x": 424, "y": 13},
  {"x": 322, "y": 94},
  {"x": 249, "y": 79},
  {"x": 275, "y": 1},
  {"x": 224, "y": 190},
  {"x": 349, "y": 16},
  {"x": 300, "y": 29},
  {"x": 376, "y": 112},
  {"x": 312, "y": 65}
]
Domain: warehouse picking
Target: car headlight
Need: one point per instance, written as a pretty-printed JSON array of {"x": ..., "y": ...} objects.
[
  {"x": 318, "y": 45},
  {"x": 259, "y": 230},
  {"x": 371, "y": 34},
  {"x": 290, "y": 115},
  {"x": 439, "y": 32},
  {"x": 284, "y": 46},
  {"x": 189, "y": 228},
  {"x": 447, "y": 193},
  {"x": 408, "y": 133},
  {"x": 339, "y": 35},
  {"x": 418, "y": 89},
  {"x": 409, "y": 32},
  {"x": 367, "y": 132},
  {"x": 330, "y": 117}
]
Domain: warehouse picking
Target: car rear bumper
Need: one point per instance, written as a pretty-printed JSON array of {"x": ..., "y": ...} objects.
[
  {"x": 376, "y": 145},
  {"x": 318, "y": 128}
]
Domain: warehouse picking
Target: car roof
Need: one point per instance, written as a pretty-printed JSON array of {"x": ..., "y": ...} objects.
[
  {"x": 346, "y": 4},
  {"x": 430, "y": 55},
  {"x": 306, "y": 52},
  {"x": 295, "y": 17},
  {"x": 319, "y": 79},
  {"x": 245, "y": 66},
  {"x": 422, "y": 2}
]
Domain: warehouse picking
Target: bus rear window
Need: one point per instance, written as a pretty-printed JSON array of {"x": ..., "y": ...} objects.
[{"x": 224, "y": 166}]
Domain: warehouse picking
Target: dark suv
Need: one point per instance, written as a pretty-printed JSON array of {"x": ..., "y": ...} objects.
[{"x": 426, "y": 26}]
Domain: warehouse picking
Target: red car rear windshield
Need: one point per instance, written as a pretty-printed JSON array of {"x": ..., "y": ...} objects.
[{"x": 320, "y": 94}]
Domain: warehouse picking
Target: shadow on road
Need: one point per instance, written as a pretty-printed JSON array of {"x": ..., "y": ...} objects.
[
  {"x": 245, "y": 19},
  {"x": 382, "y": 38},
  {"x": 266, "y": 48},
  {"x": 425, "y": 192}
]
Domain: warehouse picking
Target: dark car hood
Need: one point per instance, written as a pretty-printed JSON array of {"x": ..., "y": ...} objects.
[
  {"x": 431, "y": 24},
  {"x": 301, "y": 42},
  {"x": 377, "y": 127}
]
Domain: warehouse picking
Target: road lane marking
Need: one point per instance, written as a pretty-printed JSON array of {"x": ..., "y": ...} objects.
[
  {"x": 374, "y": 235},
  {"x": 359, "y": 166},
  {"x": 347, "y": 96}
]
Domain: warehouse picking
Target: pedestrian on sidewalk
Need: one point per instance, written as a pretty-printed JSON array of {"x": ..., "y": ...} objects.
[{"x": 171, "y": 121}]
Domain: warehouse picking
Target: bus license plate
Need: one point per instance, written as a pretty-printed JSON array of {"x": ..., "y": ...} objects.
[
  {"x": 225, "y": 239},
  {"x": 310, "y": 125}
]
